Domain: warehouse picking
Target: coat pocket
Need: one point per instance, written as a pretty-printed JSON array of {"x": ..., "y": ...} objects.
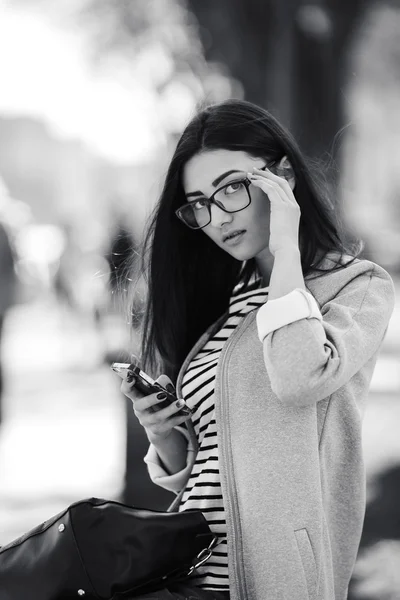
[{"x": 308, "y": 561}]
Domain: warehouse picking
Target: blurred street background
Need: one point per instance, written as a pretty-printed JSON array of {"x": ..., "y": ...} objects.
[{"x": 93, "y": 97}]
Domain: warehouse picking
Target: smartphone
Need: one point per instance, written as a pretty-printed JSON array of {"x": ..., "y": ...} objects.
[{"x": 146, "y": 385}]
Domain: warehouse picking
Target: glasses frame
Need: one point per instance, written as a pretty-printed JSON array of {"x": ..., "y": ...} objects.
[{"x": 211, "y": 200}]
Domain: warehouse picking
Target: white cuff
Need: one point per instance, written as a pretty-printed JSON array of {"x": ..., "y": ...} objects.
[
  {"x": 157, "y": 472},
  {"x": 294, "y": 306}
]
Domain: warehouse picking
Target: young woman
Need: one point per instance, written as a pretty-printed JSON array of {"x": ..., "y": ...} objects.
[{"x": 269, "y": 325}]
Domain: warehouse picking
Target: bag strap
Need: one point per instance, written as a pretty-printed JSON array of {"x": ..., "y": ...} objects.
[
  {"x": 177, "y": 574},
  {"x": 198, "y": 561}
]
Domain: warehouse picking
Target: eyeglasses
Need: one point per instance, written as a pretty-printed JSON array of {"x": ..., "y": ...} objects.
[{"x": 231, "y": 197}]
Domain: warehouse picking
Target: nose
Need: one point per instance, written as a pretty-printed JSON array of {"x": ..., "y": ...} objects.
[{"x": 219, "y": 216}]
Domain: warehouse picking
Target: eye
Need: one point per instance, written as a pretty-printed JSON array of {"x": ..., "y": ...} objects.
[
  {"x": 199, "y": 204},
  {"x": 233, "y": 187}
]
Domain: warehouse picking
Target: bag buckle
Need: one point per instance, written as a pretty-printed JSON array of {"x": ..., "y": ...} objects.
[{"x": 204, "y": 555}]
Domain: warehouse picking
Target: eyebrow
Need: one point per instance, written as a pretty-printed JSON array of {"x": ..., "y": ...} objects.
[{"x": 215, "y": 182}]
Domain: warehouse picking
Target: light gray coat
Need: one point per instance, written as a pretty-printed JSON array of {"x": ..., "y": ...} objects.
[{"x": 289, "y": 418}]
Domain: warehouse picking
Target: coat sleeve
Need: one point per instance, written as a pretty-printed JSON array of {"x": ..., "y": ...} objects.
[
  {"x": 161, "y": 477},
  {"x": 308, "y": 359}
]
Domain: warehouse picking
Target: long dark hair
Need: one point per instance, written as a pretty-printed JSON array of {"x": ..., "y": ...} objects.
[{"x": 189, "y": 278}]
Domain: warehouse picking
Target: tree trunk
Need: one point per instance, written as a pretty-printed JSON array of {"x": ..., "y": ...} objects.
[
  {"x": 321, "y": 39},
  {"x": 289, "y": 56}
]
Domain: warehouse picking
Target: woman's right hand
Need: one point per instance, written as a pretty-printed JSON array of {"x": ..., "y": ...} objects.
[{"x": 158, "y": 423}]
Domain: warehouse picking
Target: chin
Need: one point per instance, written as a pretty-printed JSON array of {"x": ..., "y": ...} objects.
[{"x": 240, "y": 253}]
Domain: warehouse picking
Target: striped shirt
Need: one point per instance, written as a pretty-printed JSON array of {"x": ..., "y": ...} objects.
[{"x": 203, "y": 489}]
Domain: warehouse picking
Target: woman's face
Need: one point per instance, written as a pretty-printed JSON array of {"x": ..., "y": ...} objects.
[{"x": 199, "y": 174}]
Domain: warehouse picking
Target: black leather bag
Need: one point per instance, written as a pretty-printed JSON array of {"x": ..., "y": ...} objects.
[{"x": 104, "y": 550}]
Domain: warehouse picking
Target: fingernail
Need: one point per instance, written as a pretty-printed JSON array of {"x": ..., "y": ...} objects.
[
  {"x": 161, "y": 396},
  {"x": 180, "y": 403}
]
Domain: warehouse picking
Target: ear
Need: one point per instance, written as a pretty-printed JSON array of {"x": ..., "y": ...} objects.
[{"x": 287, "y": 171}]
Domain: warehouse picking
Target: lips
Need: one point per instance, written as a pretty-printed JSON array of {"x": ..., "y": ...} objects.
[{"x": 232, "y": 235}]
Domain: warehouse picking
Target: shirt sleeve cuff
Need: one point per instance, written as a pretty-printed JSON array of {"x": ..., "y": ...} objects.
[
  {"x": 161, "y": 477},
  {"x": 274, "y": 314}
]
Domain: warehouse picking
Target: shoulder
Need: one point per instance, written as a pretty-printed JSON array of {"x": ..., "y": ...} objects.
[{"x": 360, "y": 279}]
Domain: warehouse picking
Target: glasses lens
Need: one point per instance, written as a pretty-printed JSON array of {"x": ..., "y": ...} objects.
[
  {"x": 233, "y": 197},
  {"x": 195, "y": 214}
]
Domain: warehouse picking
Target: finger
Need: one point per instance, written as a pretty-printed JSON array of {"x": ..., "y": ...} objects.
[
  {"x": 163, "y": 416},
  {"x": 178, "y": 420},
  {"x": 273, "y": 192},
  {"x": 146, "y": 403},
  {"x": 166, "y": 382},
  {"x": 168, "y": 412},
  {"x": 164, "y": 426},
  {"x": 276, "y": 181},
  {"x": 129, "y": 390},
  {"x": 270, "y": 187},
  {"x": 281, "y": 181}
]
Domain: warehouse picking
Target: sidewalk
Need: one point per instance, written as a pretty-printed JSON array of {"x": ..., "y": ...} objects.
[{"x": 63, "y": 436}]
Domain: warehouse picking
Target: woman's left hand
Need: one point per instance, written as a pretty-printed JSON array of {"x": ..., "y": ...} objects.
[{"x": 285, "y": 212}]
